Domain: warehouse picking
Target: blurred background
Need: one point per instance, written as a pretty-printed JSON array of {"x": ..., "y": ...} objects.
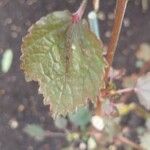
[{"x": 20, "y": 103}]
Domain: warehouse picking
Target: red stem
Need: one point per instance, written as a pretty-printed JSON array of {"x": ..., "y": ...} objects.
[
  {"x": 129, "y": 142},
  {"x": 77, "y": 16},
  {"x": 120, "y": 11},
  {"x": 123, "y": 91}
]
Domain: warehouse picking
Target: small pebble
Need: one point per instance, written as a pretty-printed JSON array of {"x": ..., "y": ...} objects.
[
  {"x": 91, "y": 144},
  {"x": 31, "y": 2},
  {"x": 82, "y": 146},
  {"x": 21, "y": 108},
  {"x": 139, "y": 63},
  {"x": 14, "y": 34},
  {"x": 2, "y": 92},
  {"x": 126, "y": 22},
  {"x": 98, "y": 123},
  {"x": 13, "y": 123},
  {"x": 111, "y": 16},
  {"x": 101, "y": 16},
  {"x": 108, "y": 34},
  {"x": 112, "y": 147},
  {"x": 28, "y": 23},
  {"x": 7, "y": 21},
  {"x": 15, "y": 28}
]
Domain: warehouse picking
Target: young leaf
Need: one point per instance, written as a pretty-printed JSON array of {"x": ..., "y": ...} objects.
[
  {"x": 60, "y": 122},
  {"x": 66, "y": 60},
  {"x": 143, "y": 90},
  {"x": 81, "y": 117},
  {"x": 35, "y": 131}
]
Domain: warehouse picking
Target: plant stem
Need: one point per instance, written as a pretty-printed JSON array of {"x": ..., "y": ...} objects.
[
  {"x": 54, "y": 134},
  {"x": 96, "y": 4},
  {"x": 120, "y": 11},
  {"x": 76, "y": 17},
  {"x": 93, "y": 22},
  {"x": 123, "y": 91}
]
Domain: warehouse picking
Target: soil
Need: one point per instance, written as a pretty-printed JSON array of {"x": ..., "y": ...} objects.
[{"x": 20, "y": 103}]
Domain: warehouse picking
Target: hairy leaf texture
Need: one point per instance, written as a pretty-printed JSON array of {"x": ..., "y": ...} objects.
[{"x": 66, "y": 60}]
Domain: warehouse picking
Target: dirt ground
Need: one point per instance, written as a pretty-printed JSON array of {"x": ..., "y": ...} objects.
[{"x": 21, "y": 103}]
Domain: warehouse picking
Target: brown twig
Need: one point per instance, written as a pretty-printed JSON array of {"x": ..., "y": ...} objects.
[
  {"x": 120, "y": 11},
  {"x": 55, "y": 134},
  {"x": 129, "y": 142}
]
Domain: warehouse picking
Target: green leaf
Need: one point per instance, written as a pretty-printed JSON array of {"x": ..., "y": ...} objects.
[
  {"x": 60, "y": 122},
  {"x": 143, "y": 90},
  {"x": 81, "y": 117},
  {"x": 35, "y": 131},
  {"x": 66, "y": 60}
]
